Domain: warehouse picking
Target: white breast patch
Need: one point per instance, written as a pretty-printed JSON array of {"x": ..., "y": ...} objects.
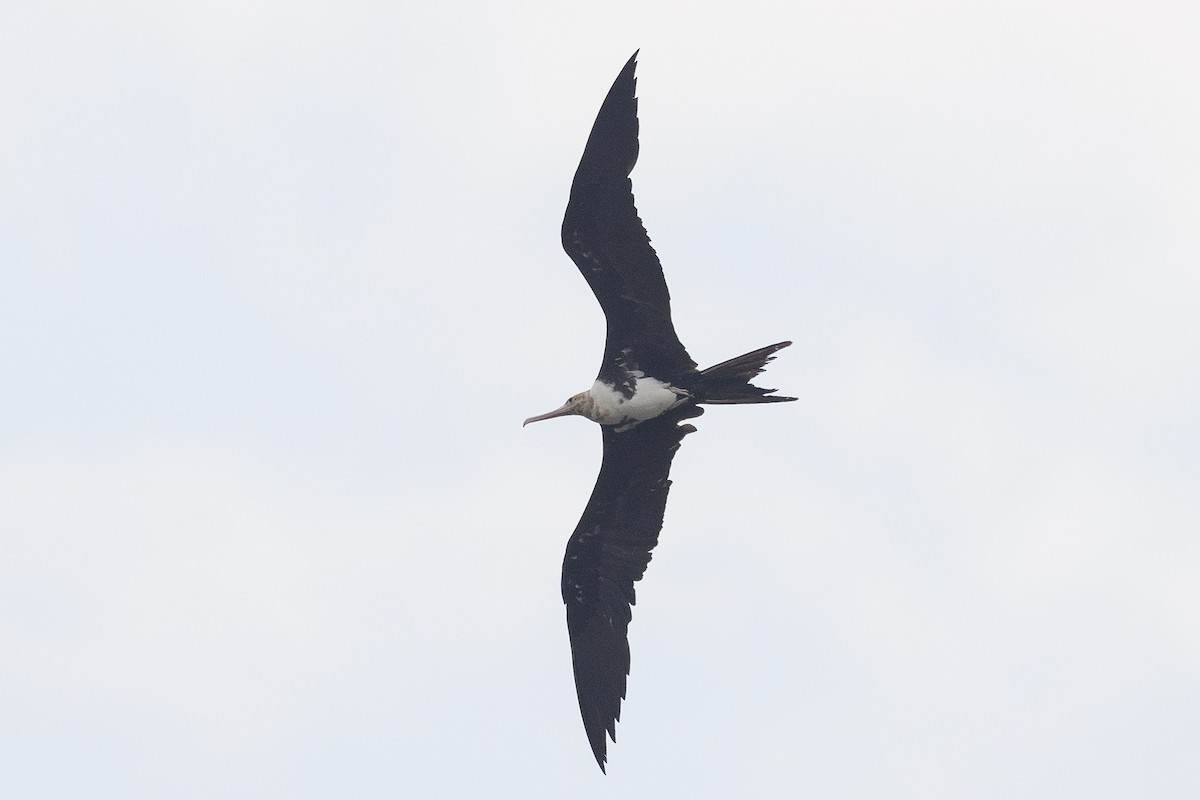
[{"x": 651, "y": 398}]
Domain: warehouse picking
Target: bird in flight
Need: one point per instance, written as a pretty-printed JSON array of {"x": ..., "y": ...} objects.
[{"x": 646, "y": 387}]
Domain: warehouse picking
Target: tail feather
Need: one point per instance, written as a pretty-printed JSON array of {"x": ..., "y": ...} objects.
[{"x": 729, "y": 382}]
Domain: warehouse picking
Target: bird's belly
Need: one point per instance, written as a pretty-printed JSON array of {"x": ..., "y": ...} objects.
[{"x": 651, "y": 398}]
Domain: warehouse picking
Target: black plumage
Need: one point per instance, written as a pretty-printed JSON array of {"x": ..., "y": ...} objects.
[
  {"x": 603, "y": 235},
  {"x": 606, "y": 554},
  {"x": 611, "y": 546}
]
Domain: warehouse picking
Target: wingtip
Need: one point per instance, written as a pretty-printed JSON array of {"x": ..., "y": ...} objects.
[{"x": 600, "y": 752}]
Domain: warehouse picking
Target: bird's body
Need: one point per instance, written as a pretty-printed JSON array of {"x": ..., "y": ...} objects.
[
  {"x": 647, "y": 386},
  {"x": 625, "y": 404}
]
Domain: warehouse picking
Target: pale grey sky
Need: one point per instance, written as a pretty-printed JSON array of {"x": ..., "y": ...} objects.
[{"x": 281, "y": 280}]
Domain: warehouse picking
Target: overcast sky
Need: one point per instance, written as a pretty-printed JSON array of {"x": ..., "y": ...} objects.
[{"x": 280, "y": 280}]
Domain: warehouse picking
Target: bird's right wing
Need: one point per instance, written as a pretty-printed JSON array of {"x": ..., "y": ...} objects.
[{"x": 606, "y": 554}]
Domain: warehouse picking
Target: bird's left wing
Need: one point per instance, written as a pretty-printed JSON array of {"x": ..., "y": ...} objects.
[
  {"x": 604, "y": 236},
  {"x": 607, "y": 553}
]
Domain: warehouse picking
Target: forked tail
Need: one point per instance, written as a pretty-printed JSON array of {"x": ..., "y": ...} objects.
[{"x": 729, "y": 382}]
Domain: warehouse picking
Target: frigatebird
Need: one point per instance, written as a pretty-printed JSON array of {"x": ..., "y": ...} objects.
[{"x": 646, "y": 387}]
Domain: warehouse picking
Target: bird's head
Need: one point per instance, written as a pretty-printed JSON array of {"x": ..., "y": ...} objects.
[{"x": 576, "y": 404}]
